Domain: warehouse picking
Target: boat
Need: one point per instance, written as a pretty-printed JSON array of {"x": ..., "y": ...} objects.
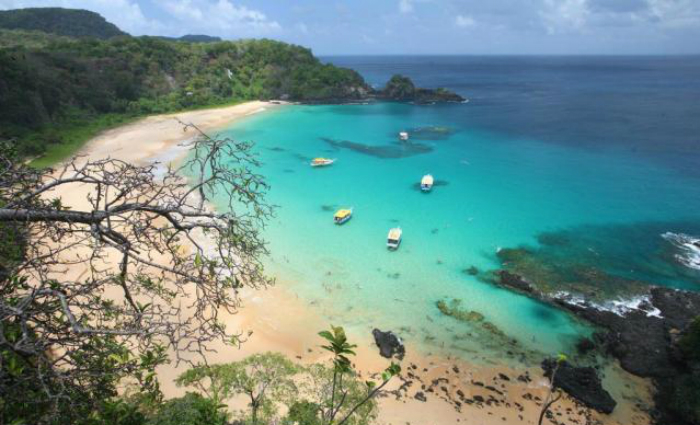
[
  {"x": 426, "y": 183},
  {"x": 403, "y": 136},
  {"x": 394, "y": 238},
  {"x": 342, "y": 216},
  {"x": 321, "y": 162}
]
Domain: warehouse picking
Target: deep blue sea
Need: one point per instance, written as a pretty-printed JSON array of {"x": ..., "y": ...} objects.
[{"x": 592, "y": 164}]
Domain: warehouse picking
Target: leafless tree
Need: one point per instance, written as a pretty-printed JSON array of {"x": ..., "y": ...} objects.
[{"x": 146, "y": 268}]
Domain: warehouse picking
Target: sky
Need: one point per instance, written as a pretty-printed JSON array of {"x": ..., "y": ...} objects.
[{"x": 418, "y": 26}]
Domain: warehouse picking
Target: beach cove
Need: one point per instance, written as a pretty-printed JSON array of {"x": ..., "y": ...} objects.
[{"x": 285, "y": 318}]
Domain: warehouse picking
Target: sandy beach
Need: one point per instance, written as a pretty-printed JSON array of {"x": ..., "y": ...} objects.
[{"x": 277, "y": 319}]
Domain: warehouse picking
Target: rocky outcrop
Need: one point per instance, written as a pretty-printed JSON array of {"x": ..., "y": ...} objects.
[
  {"x": 389, "y": 344},
  {"x": 401, "y": 89},
  {"x": 581, "y": 383},
  {"x": 514, "y": 281},
  {"x": 643, "y": 337}
]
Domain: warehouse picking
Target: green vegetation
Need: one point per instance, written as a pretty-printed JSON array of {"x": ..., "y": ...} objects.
[
  {"x": 29, "y": 39},
  {"x": 63, "y": 92},
  {"x": 686, "y": 392},
  {"x": 55, "y": 20},
  {"x": 313, "y": 395},
  {"x": 690, "y": 342}
]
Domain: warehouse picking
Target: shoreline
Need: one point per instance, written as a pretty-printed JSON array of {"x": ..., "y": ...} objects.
[
  {"x": 279, "y": 320},
  {"x": 157, "y": 137}
]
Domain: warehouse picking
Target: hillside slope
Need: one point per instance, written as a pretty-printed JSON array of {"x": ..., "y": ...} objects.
[
  {"x": 55, "y": 20},
  {"x": 79, "y": 80}
]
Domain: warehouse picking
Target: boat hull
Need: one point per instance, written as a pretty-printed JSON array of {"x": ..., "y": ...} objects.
[
  {"x": 391, "y": 246},
  {"x": 342, "y": 220}
]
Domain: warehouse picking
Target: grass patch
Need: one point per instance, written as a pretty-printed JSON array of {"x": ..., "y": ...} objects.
[{"x": 68, "y": 138}]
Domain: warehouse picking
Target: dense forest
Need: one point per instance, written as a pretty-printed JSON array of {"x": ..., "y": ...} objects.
[
  {"x": 52, "y": 84},
  {"x": 54, "y": 20}
]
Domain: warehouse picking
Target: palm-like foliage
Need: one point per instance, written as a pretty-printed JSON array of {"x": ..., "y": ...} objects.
[{"x": 340, "y": 347}]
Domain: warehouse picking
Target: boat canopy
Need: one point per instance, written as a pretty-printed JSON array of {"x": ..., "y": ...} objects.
[
  {"x": 340, "y": 214},
  {"x": 427, "y": 180},
  {"x": 395, "y": 234},
  {"x": 320, "y": 160}
]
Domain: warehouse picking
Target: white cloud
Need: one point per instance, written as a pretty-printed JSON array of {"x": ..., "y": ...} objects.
[
  {"x": 675, "y": 13},
  {"x": 126, "y": 14},
  {"x": 564, "y": 15},
  {"x": 221, "y": 17},
  {"x": 464, "y": 21},
  {"x": 405, "y": 6}
]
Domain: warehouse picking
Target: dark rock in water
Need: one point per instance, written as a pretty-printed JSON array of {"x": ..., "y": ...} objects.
[
  {"x": 420, "y": 396},
  {"x": 642, "y": 341},
  {"x": 582, "y": 383},
  {"x": 389, "y": 344},
  {"x": 553, "y": 239},
  {"x": 430, "y": 133},
  {"x": 514, "y": 281},
  {"x": 394, "y": 151},
  {"x": 584, "y": 345},
  {"x": 402, "y": 89},
  {"x": 471, "y": 271}
]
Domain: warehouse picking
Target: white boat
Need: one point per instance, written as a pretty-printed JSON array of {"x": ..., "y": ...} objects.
[
  {"x": 426, "y": 183},
  {"x": 342, "y": 216},
  {"x": 393, "y": 240},
  {"x": 321, "y": 162},
  {"x": 403, "y": 136}
]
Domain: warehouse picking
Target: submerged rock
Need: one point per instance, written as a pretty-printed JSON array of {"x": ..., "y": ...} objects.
[
  {"x": 515, "y": 281},
  {"x": 394, "y": 151},
  {"x": 389, "y": 344},
  {"x": 584, "y": 345},
  {"x": 471, "y": 271},
  {"x": 581, "y": 383},
  {"x": 453, "y": 309}
]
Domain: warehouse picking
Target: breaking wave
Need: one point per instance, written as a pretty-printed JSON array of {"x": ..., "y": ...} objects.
[{"x": 688, "y": 248}]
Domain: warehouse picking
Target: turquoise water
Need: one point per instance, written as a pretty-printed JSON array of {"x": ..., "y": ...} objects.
[{"x": 494, "y": 191}]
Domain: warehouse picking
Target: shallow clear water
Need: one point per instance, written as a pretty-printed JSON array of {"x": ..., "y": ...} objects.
[{"x": 495, "y": 189}]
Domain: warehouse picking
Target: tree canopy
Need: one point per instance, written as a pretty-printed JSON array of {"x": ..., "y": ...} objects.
[{"x": 68, "y": 339}]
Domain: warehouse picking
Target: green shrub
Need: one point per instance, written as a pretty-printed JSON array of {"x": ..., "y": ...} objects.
[
  {"x": 192, "y": 409},
  {"x": 690, "y": 342},
  {"x": 304, "y": 413}
]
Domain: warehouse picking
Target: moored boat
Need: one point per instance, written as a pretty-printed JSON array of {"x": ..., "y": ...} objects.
[
  {"x": 394, "y": 238},
  {"x": 321, "y": 162},
  {"x": 426, "y": 183},
  {"x": 342, "y": 216},
  {"x": 403, "y": 136}
]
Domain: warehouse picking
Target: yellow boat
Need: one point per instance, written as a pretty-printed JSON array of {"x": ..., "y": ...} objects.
[
  {"x": 342, "y": 216},
  {"x": 321, "y": 162},
  {"x": 394, "y": 239}
]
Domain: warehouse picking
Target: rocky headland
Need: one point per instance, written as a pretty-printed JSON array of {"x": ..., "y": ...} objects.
[{"x": 657, "y": 336}]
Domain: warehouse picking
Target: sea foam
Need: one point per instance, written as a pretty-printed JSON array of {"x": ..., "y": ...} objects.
[{"x": 688, "y": 247}]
